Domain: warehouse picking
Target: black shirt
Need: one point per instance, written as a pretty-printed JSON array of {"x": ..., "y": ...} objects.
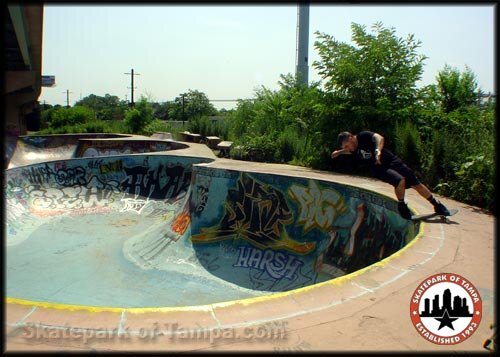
[{"x": 365, "y": 152}]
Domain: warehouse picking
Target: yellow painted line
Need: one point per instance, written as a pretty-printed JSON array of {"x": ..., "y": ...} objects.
[
  {"x": 69, "y": 307},
  {"x": 243, "y": 302}
]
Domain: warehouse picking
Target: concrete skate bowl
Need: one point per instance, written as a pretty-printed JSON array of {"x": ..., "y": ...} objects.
[
  {"x": 40, "y": 148},
  {"x": 159, "y": 230}
]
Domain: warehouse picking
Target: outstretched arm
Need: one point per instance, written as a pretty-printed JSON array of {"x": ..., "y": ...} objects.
[
  {"x": 379, "y": 145},
  {"x": 340, "y": 152}
]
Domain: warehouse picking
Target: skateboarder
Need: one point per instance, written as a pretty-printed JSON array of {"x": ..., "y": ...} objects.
[{"x": 368, "y": 148}]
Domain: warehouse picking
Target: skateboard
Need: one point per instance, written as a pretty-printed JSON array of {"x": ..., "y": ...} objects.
[{"x": 434, "y": 214}]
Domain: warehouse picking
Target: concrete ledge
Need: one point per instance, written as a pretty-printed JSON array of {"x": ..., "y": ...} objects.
[{"x": 224, "y": 148}]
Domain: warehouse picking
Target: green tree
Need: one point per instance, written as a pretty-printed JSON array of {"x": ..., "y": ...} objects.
[
  {"x": 163, "y": 110},
  {"x": 192, "y": 104},
  {"x": 108, "y": 107},
  {"x": 139, "y": 116},
  {"x": 457, "y": 89},
  {"x": 240, "y": 119},
  {"x": 376, "y": 77},
  {"x": 58, "y": 117},
  {"x": 282, "y": 125}
]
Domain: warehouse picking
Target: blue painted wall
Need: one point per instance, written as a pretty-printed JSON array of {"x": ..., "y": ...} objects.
[{"x": 273, "y": 232}]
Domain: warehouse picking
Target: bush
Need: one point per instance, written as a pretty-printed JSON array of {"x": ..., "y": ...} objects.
[
  {"x": 288, "y": 145},
  {"x": 206, "y": 127},
  {"x": 117, "y": 126},
  {"x": 461, "y": 164},
  {"x": 157, "y": 125},
  {"x": 138, "y": 117},
  {"x": 408, "y": 145},
  {"x": 96, "y": 126},
  {"x": 238, "y": 153},
  {"x": 475, "y": 182},
  {"x": 200, "y": 125},
  {"x": 261, "y": 148},
  {"x": 240, "y": 120},
  {"x": 60, "y": 117}
]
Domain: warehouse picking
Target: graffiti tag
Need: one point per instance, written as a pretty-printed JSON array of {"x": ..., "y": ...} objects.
[
  {"x": 257, "y": 213},
  {"x": 160, "y": 182},
  {"x": 318, "y": 208},
  {"x": 277, "y": 264},
  {"x": 133, "y": 204}
]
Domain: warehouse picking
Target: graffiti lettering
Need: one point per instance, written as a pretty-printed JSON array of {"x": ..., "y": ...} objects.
[
  {"x": 93, "y": 152},
  {"x": 133, "y": 204},
  {"x": 14, "y": 210},
  {"x": 94, "y": 193},
  {"x": 94, "y": 164},
  {"x": 256, "y": 213},
  {"x": 199, "y": 194},
  {"x": 14, "y": 185},
  {"x": 181, "y": 222},
  {"x": 111, "y": 167},
  {"x": 277, "y": 264},
  {"x": 161, "y": 182},
  {"x": 318, "y": 208},
  {"x": 199, "y": 198},
  {"x": 60, "y": 165},
  {"x": 64, "y": 177},
  {"x": 36, "y": 141},
  {"x": 38, "y": 174},
  {"x": 71, "y": 177}
]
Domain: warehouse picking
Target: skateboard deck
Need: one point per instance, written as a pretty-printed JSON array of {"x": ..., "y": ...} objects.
[{"x": 434, "y": 214}]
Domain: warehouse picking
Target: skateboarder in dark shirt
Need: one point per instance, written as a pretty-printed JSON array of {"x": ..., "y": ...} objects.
[{"x": 368, "y": 148}]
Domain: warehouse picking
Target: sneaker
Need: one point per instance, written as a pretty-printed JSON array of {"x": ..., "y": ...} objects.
[
  {"x": 441, "y": 210},
  {"x": 404, "y": 211}
]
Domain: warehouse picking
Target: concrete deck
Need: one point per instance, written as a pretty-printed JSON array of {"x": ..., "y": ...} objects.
[{"x": 364, "y": 311}]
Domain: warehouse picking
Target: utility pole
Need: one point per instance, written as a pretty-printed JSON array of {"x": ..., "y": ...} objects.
[
  {"x": 183, "y": 101},
  {"x": 302, "y": 66},
  {"x": 182, "y": 96},
  {"x": 67, "y": 97},
  {"x": 132, "y": 74}
]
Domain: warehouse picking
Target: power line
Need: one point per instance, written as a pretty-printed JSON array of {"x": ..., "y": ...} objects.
[{"x": 229, "y": 100}]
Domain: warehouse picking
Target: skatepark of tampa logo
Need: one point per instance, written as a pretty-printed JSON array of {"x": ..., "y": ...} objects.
[{"x": 446, "y": 309}]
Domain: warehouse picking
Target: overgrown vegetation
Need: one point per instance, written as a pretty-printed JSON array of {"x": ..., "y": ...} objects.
[{"x": 442, "y": 130}]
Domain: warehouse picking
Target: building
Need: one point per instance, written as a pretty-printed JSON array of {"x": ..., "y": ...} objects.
[{"x": 23, "y": 30}]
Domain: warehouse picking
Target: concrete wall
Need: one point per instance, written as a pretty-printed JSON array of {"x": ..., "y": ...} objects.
[
  {"x": 93, "y": 148},
  {"x": 92, "y": 184},
  {"x": 32, "y": 149},
  {"x": 25, "y": 150},
  {"x": 272, "y": 232}
]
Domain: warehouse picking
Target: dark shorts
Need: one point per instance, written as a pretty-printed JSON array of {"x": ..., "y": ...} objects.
[{"x": 394, "y": 172}]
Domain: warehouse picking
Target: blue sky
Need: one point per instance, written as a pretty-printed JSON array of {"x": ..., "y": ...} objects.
[{"x": 227, "y": 51}]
